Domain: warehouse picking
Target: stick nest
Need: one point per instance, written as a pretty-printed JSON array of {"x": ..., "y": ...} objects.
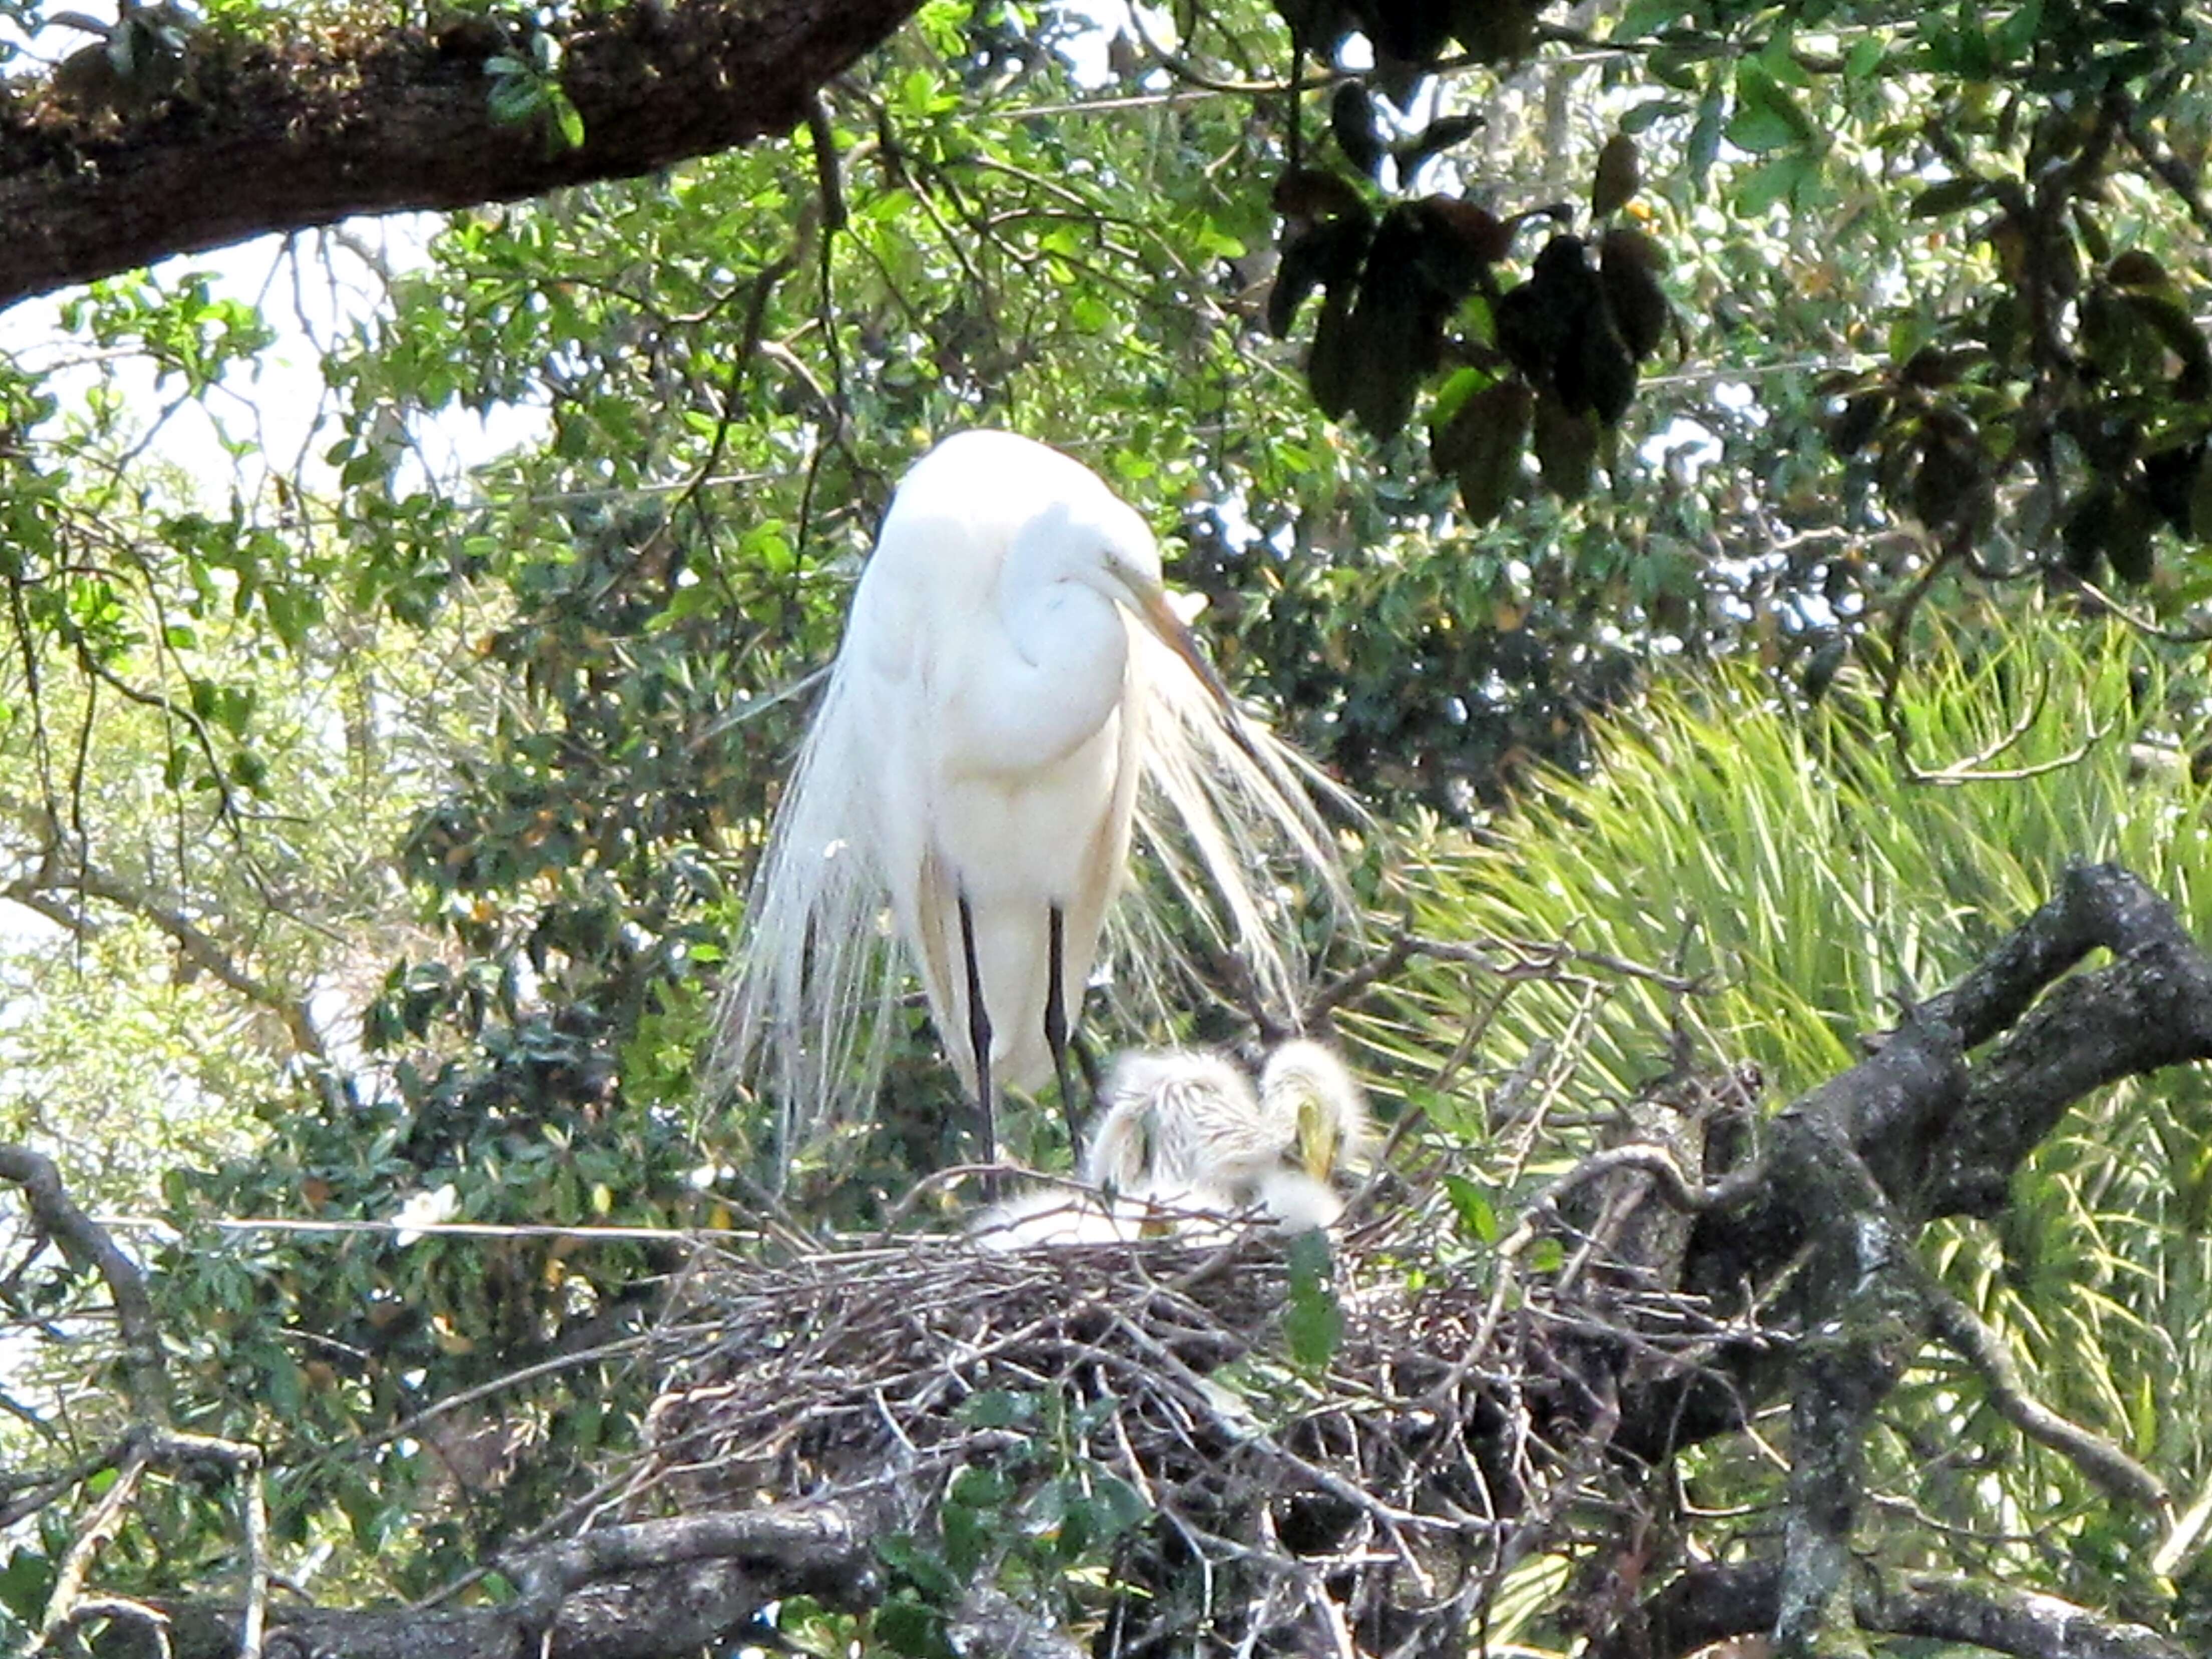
[{"x": 1137, "y": 1406}]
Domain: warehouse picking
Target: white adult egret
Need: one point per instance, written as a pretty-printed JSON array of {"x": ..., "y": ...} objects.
[{"x": 1013, "y": 692}]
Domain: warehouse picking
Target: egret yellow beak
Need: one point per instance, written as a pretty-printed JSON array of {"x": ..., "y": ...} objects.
[
  {"x": 1317, "y": 1148},
  {"x": 1151, "y": 602}
]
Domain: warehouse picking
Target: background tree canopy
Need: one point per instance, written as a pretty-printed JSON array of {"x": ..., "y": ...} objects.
[{"x": 1723, "y": 483}]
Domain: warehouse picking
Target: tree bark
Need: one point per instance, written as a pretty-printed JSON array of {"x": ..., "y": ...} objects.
[
  {"x": 675, "y": 1586},
  {"x": 289, "y": 133}
]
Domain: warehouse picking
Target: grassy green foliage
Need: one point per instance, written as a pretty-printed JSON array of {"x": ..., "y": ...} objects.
[{"x": 1779, "y": 855}]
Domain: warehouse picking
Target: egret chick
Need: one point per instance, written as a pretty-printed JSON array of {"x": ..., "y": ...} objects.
[
  {"x": 1183, "y": 1131},
  {"x": 1015, "y": 697},
  {"x": 1178, "y": 1118},
  {"x": 1312, "y": 1098}
]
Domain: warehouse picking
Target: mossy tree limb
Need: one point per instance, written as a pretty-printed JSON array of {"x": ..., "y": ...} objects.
[{"x": 288, "y": 134}]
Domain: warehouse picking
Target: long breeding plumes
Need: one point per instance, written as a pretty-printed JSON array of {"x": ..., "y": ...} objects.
[{"x": 1012, "y": 700}]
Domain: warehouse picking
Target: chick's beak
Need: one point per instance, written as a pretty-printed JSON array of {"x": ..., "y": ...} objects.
[{"x": 1317, "y": 1141}]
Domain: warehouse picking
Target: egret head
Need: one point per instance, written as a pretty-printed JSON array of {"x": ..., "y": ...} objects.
[
  {"x": 1105, "y": 545},
  {"x": 1308, "y": 1091}
]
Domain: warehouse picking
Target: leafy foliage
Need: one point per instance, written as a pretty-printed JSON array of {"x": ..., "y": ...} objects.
[{"x": 455, "y": 779}]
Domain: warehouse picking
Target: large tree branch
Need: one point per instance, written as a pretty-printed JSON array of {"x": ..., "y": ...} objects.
[
  {"x": 1709, "y": 1604},
  {"x": 652, "y": 1589},
  {"x": 1916, "y": 1131},
  {"x": 282, "y": 137}
]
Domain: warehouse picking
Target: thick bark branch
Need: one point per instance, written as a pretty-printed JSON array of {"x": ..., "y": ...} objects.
[
  {"x": 685, "y": 1584},
  {"x": 284, "y": 135},
  {"x": 1940, "y": 1137},
  {"x": 1916, "y": 1131},
  {"x": 1709, "y": 1604}
]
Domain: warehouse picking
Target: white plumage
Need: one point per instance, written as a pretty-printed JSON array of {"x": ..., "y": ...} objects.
[
  {"x": 1175, "y": 1118},
  {"x": 1308, "y": 1092},
  {"x": 1184, "y": 1129},
  {"x": 1184, "y": 1143},
  {"x": 1048, "y": 1216},
  {"x": 1013, "y": 698}
]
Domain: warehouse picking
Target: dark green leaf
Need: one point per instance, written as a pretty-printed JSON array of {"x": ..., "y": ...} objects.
[
  {"x": 1313, "y": 1323},
  {"x": 1949, "y": 197},
  {"x": 1352, "y": 119},
  {"x": 1619, "y": 175},
  {"x": 1481, "y": 446},
  {"x": 1566, "y": 447}
]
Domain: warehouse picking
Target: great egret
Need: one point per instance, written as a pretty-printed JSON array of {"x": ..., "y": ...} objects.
[{"x": 1013, "y": 693}]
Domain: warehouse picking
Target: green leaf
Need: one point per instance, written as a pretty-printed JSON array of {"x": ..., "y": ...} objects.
[
  {"x": 906, "y": 1626},
  {"x": 1641, "y": 19},
  {"x": 1760, "y": 128},
  {"x": 1477, "y": 1218},
  {"x": 26, "y": 1583},
  {"x": 1767, "y": 116},
  {"x": 1705, "y": 144},
  {"x": 1482, "y": 444},
  {"x": 1864, "y": 60},
  {"x": 1313, "y": 1323},
  {"x": 570, "y": 121},
  {"x": 1782, "y": 179},
  {"x": 998, "y": 1408}
]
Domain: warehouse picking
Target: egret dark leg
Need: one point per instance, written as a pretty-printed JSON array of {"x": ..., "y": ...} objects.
[
  {"x": 979, "y": 1043},
  {"x": 1055, "y": 1018},
  {"x": 1086, "y": 1062}
]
